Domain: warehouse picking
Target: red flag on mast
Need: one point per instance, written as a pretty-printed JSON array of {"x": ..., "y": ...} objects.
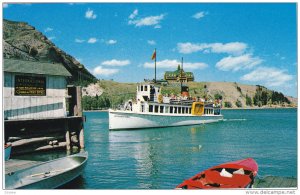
[{"x": 153, "y": 55}]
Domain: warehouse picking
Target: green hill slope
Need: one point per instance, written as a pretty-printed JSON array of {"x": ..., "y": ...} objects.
[{"x": 233, "y": 95}]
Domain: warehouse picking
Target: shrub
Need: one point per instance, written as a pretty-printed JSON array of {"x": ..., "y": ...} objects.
[
  {"x": 248, "y": 101},
  {"x": 33, "y": 51},
  {"x": 238, "y": 103},
  {"x": 218, "y": 96},
  {"x": 227, "y": 105}
]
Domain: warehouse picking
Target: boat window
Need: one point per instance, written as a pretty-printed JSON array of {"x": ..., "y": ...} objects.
[
  {"x": 179, "y": 110},
  {"x": 161, "y": 109},
  {"x": 187, "y": 110},
  {"x": 175, "y": 110},
  {"x": 142, "y": 87},
  {"x": 190, "y": 110},
  {"x": 156, "y": 108},
  {"x": 167, "y": 109},
  {"x": 171, "y": 109},
  {"x": 146, "y": 88},
  {"x": 150, "y": 108}
]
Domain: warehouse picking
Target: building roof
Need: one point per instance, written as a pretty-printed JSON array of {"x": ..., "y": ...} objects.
[
  {"x": 177, "y": 73},
  {"x": 35, "y": 67}
]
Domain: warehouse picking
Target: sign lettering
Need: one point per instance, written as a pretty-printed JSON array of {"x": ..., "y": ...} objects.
[{"x": 30, "y": 85}]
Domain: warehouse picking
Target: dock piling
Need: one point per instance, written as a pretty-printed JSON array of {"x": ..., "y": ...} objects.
[{"x": 81, "y": 138}]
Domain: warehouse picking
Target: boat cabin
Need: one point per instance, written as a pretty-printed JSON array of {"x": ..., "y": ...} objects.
[
  {"x": 150, "y": 100},
  {"x": 147, "y": 92}
]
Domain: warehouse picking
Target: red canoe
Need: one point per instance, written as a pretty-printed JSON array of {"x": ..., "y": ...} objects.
[{"x": 237, "y": 174}]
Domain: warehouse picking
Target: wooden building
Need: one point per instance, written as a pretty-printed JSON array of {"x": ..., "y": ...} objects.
[
  {"x": 36, "y": 100},
  {"x": 178, "y": 75},
  {"x": 34, "y": 90}
]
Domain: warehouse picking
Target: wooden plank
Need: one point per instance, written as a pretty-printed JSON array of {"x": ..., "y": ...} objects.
[
  {"x": 275, "y": 182},
  {"x": 264, "y": 182},
  {"x": 50, "y": 147},
  {"x": 31, "y": 141},
  {"x": 287, "y": 182},
  {"x": 294, "y": 183}
]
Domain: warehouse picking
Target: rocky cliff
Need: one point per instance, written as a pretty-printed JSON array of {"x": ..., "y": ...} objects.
[{"x": 22, "y": 41}]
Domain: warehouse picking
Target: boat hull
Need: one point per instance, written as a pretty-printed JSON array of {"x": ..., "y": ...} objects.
[
  {"x": 119, "y": 120},
  {"x": 7, "y": 152},
  {"x": 236, "y": 174},
  {"x": 48, "y": 175}
]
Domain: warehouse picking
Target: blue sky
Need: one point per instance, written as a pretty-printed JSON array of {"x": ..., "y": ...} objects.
[{"x": 252, "y": 43}]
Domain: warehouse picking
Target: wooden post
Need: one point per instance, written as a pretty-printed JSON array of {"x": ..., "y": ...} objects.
[
  {"x": 71, "y": 100},
  {"x": 81, "y": 138},
  {"x": 78, "y": 100},
  {"x": 68, "y": 141}
]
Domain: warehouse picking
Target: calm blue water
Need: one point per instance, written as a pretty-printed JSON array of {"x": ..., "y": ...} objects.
[{"x": 162, "y": 158}]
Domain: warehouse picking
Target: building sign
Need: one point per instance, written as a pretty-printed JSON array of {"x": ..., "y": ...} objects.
[{"x": 30, "y": 86}]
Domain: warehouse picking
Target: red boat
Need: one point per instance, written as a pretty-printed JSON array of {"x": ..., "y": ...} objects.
[{"x": 237, "y": 174}]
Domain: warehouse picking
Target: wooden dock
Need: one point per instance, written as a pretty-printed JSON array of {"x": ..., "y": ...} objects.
[
  {"x": 275, "y": 182},
  {"x": 14, "y": 165}
]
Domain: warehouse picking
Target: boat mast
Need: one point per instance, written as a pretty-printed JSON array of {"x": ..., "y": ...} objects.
[
  {"x": 181, "y": 75},
  {"x": 155, "y": 66}
]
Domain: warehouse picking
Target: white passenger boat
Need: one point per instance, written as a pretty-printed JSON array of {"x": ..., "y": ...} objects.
[{"x": 152, "y": 109}]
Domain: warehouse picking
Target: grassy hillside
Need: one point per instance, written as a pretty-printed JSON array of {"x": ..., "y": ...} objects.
[{"x": 233, "y": 95}]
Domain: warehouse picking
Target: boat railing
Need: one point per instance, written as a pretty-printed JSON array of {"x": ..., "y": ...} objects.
[{"x": 181, "y": 101}]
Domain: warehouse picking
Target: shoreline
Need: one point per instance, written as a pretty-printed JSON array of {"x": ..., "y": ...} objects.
[
  {"x": 259, "y": 108},
  {"x": 250, "y": 108}
]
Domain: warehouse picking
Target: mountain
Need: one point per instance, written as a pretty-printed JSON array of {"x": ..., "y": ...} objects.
[
  {"x": 233, "y": 95},
  {"x": 22, "y": 41}
]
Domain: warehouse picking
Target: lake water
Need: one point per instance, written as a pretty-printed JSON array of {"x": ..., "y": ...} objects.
[{"x": 162, "y": 158}]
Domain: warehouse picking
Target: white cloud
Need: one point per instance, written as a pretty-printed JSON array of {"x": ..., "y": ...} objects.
[
  {"x": 148, "y": 21},
  {"x": 89, "y": 14},
  {"x": 151, "y": 42},
  {"x": 92, "y": 40},
  {"x": 134, "y": 14},
  {"x": 231, "y": 48},
  {"x": 5, "y": 5},
  {"x": 115, "y": 62},
  {"x": 189, "y": 47},
  {"x": 239, "y": 62},
  {"x": 271, "y": 77},
  {"x": 48, "y": 29},
  {"x": 199, "y": 15},
  {"x": 104, "y": 71},
  {"x": 79, "y": 40},
  {"x": 174, "y": 64},
  {"x": 111, "y": 42},
  {"x": 235, "y": 48}
]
